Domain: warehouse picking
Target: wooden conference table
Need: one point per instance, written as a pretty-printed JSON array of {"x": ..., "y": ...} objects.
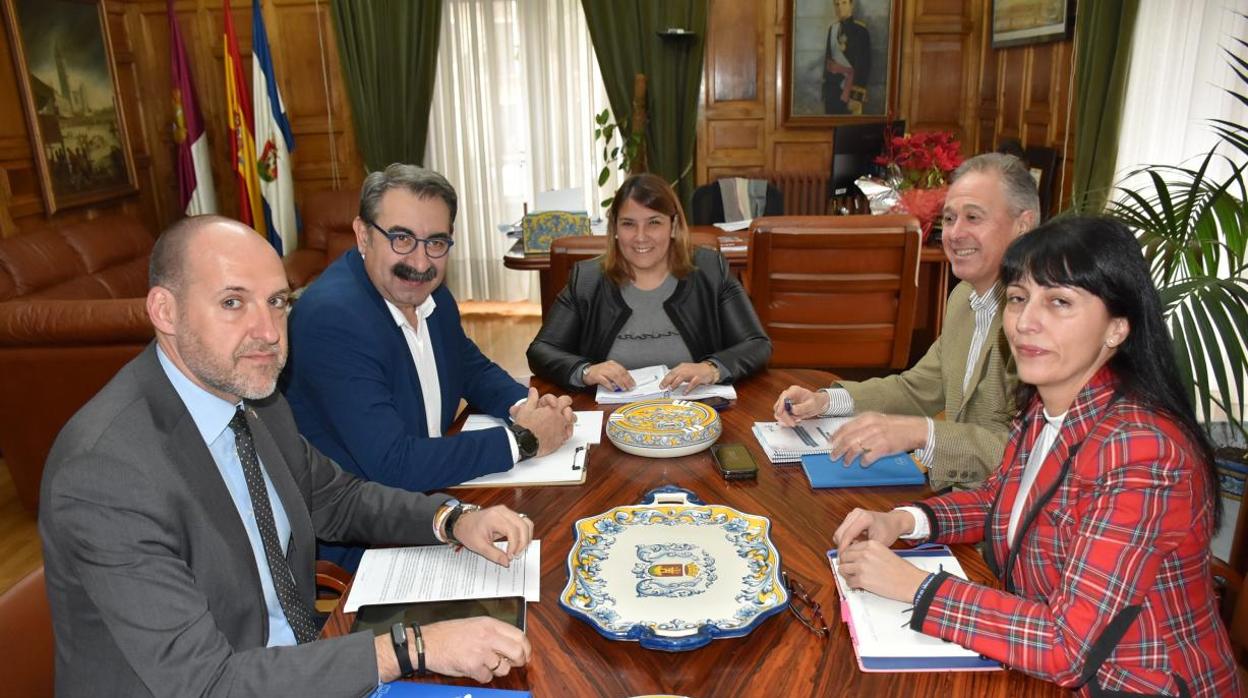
[
  {"x": 929, "y": 311},
  {"x": 781, "y": 657}
]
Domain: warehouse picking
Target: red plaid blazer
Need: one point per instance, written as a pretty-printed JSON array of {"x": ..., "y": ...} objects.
[{"x": 1125, "y": 531}]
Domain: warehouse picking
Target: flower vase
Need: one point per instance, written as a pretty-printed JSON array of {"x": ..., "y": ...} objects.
[{"x": 924, "y": 204}]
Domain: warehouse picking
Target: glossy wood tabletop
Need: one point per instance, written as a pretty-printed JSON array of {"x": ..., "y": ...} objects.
[{"x": 781, "y": 657}]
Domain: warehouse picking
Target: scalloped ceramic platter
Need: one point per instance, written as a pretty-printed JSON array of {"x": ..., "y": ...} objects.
[
  {"x": 673, "y": 573},
  {"x": 664, "y": 427}
]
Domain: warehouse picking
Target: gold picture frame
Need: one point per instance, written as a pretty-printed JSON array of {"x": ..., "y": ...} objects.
[
  {"x": 1023, "y": 22},
  {"x": 69, "y": 89},
  {"x": 822, "y": 87}
]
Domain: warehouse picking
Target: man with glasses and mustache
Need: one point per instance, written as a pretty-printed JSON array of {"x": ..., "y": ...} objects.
[{"x": 379, "y": 361}]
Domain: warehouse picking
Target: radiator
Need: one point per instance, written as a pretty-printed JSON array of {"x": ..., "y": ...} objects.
[{"x": 805, "y": 193}]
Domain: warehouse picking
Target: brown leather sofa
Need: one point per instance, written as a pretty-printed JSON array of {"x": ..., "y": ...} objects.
[
  {"x": 71, "y": 314},
  {"x": 326, "y": 234}
]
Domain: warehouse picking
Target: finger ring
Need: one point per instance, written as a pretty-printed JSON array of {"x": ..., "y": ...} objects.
[{"x": 522, "y": 515}]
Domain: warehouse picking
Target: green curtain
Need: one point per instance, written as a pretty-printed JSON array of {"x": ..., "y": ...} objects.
[
  {"x": 1103, "y": 33},
  {"x": 389, "y": 52},
  {"x": 627, "y": 41}
]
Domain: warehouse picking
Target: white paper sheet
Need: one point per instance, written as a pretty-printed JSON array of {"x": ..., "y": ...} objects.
[
  {"x": 733, "y": 226},
  {"x": 559, "y": 200},
  {"x": 646, "y": 386},
  {"x": 439, "y": 573},
  {"x": 565, "y": 465}
]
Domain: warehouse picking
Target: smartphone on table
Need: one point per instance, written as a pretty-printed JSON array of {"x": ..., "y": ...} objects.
[
  {"x": 379, "y": 618},
  {"x": 734, "y": 462}
]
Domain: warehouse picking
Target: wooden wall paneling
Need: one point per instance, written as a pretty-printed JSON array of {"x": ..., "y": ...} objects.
[
  {"x": 732, "y": 110},
  {"x": 305, "y": 77}
]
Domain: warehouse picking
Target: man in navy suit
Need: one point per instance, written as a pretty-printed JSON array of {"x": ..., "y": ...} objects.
[{"x": 379, "y": 361}]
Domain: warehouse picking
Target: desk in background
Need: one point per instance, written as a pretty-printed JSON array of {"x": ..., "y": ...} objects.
[
  {"x": 928, "y": 315},
  {"x": 781, "y": 657}
]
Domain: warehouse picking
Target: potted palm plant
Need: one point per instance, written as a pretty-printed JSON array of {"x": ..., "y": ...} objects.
[{"x": 1193, "y": 225}]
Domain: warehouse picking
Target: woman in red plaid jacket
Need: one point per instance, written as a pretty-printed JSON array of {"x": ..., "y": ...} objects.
[{"x": 1098, "y": 520}]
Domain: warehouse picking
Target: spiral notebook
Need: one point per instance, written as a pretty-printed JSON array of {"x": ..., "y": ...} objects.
[{"x": 788, "y": 444}]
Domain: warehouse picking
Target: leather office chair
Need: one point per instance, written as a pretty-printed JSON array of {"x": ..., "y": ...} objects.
[
  {"x": 567, "y": 251},
  {"x": 836, "y": 291},
  {"x": 27, "y": 650},
  {"x": 707, "y": 206}
]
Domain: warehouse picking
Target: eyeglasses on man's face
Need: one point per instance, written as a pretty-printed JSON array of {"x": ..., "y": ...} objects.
[
  {"x": 403, "y": 242},
  {"x": 804, "y": 606}
]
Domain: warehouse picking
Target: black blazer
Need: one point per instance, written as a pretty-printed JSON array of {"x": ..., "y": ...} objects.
[{"x": 709, "y": 308}]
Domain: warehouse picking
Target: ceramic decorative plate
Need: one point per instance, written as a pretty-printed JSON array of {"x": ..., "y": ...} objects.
[
  {"x": 673, "y": 573},
  {"x": 664, "y": 427}
]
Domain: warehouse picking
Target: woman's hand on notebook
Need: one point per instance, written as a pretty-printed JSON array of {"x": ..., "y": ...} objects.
[
  {"x": 871, "y": 566},
  {"x": 882, "y": 527}
]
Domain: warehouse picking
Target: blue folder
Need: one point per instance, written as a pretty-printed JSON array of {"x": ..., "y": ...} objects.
[
  {"x": 402, "y": 689},
  {"x": 897, "y": 469}
]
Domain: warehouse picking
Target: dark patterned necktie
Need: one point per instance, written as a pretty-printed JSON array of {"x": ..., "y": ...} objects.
[{"x": 297, "y": 612}]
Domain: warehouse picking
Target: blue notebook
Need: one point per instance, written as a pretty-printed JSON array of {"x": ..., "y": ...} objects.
[
  {"x": 408, "y": 689},
  {"x": 897, "y": 469}
]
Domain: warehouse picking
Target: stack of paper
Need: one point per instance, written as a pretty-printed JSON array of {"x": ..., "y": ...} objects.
[
  {"x": 565, "y": 466},
  {"x": 880, "y": 627},
  {"x": 788, "y": 444},
  {"x": 646, "y": 387}
]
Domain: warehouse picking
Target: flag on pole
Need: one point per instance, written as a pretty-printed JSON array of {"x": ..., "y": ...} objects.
[
  {"x": 274, "y": 141},
  {"x": 242, "y": 144},
  {"x": 196, "y": 193}
]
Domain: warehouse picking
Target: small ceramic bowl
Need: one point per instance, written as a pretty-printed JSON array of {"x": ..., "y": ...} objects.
[{"x": 663, "y": 427}]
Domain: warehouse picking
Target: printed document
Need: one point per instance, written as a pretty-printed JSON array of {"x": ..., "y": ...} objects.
[{"x": 442, "y": 573}]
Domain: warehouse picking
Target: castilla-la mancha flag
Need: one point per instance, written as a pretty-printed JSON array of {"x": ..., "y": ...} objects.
[
  {"x": 196, "y": 193},
  {"x": 242, "y": 143},
  {"x": 274, "y": 141}
]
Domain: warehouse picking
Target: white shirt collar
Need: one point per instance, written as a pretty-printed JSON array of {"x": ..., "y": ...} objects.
[
  {"x": 423, "y": 311},
  {"x": 989, "y": 299}
]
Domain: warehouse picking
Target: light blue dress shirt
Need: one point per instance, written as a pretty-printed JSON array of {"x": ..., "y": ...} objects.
[{"x": 212, "y": 417}]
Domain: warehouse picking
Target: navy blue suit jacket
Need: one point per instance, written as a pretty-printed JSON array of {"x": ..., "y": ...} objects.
[{"x": 354, "y": 391}]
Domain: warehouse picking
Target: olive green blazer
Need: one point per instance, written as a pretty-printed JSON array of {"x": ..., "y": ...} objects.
[{"x": 970, "y": 439}]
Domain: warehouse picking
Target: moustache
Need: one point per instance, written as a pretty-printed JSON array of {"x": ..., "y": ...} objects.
[{"x": 409, "y": 273}]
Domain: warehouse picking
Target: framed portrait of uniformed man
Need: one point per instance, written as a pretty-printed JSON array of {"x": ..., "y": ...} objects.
[{"x": 840, "y": 61}]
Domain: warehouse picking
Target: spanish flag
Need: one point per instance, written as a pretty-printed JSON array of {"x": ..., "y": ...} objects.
[{"x": 242, "y": 142}]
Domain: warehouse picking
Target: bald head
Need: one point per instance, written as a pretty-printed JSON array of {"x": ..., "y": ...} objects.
[{"x": 197, "y": 237}]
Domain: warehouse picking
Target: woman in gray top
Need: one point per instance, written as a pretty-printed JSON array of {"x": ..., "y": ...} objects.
[{"x": 651, "y": 299}]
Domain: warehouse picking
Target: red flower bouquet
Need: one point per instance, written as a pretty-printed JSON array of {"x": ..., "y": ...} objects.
[{"x": 919, "y": 165}]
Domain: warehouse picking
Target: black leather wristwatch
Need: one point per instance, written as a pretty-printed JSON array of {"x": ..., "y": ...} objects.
[
  {"x": 526, "y": 440},
  {"x": 398, "y": 635}
]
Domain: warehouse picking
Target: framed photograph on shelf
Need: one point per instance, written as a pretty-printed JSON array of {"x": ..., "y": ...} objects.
[
  {"x": 65, "y": 77},
  {"x": 1022, "y": 22},
  {"x": 840, "y": 61}
]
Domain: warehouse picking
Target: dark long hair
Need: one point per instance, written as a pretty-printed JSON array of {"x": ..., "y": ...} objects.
[{"x": 1102, "y": 257}]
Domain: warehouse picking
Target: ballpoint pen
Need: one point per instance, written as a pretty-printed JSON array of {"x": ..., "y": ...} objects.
[{"x": 788, "y": 405}]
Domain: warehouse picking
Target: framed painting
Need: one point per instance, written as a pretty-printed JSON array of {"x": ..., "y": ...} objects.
[
  {"x": 840, "y": 61},
  {"x": 65, "y": 76},
  {"x": 1021, "y": 22}
]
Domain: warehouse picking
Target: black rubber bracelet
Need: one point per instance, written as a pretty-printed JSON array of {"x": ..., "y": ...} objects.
[{"x": 420, "y": 651}]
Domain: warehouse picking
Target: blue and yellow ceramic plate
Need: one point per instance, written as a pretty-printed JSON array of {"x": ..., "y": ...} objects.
[
  {"x": 664, "y": 427},
  {"x": 673, "y": 573}
]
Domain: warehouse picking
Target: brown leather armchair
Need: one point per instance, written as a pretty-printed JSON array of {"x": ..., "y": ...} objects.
[
  {"x": 326, "y": 234},
  {"x": 71, "y": 314},
  {"x": 27, "y": 648}
]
